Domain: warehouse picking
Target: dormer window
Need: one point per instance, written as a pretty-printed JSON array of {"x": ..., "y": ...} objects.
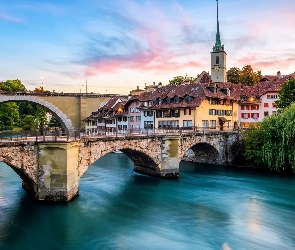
[
  {"x": 150, "y": 103},
  {"x": 176, "y": 99},
  {"x": 160, "y": 101},
  {"x": 168, "y": 100}
]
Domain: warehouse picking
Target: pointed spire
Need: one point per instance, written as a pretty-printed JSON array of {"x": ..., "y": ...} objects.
[{"x": 218, "y": 46}]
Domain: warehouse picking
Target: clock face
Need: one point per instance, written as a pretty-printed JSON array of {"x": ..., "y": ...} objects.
[
  {"x": 216, "y": 67},
  {"x": 217, "y": 48}
]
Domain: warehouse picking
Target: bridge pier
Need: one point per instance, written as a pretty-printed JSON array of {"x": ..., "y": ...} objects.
[
  {"x": 57, "y": 172},
  {"x": 169, "y": 163}
]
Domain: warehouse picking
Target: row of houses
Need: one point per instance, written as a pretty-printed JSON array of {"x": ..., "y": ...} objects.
[{"x": 201, "y": 104}]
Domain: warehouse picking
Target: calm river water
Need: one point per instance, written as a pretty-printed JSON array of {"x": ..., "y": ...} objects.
[{"x": 208, "y": 207}]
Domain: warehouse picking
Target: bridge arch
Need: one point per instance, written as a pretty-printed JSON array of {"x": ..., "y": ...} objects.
[
  {"x": 63, "y": 119},
  {"x": 139, "y": 151},
  {"x": 203, "y": 149}
]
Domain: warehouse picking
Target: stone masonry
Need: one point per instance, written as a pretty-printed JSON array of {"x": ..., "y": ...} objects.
[{"x": 51, "y": 170}]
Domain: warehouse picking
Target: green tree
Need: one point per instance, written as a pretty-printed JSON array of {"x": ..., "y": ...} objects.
[
  {"x": 272, "y": 143},
  {"x": 28, "y": 122},
  {"x": 54, "y": 122},
  {"x": 40, "y": 117},
  {"x": 12, "y": 85},
  {"x": 9, "y": 116},
  {"x": 233, "y": 75},
  {"x": 177, "y": 80},
  {"x": 248, "y": 77},
  {"x": 286, "y": 94}
]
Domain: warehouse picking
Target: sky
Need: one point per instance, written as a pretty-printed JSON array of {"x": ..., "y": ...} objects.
[{"x": 116, "y": 45}]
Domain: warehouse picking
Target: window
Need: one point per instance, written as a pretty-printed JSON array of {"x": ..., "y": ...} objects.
[
  {"x": 93, "y": 123},
  {"x": 159, "y": 101},
  {"x": 150, "y": 103},
  {"x": 187, "y": 123},
  {"x": 242, "y": 107},
  {"x": 265, "y": 105},
  {"x": 119, "y": 126},
  {"x": 255, "y": 107},
  {"x": 125, "y": 119},
  {"x": 176, "y": 113},
  {"x": 138, "y": 118},
  {"x": 205, "y": 123},
  {"x": 217, "y": 59},
  {"x": 274, "y": 113},
  {"x": 246, "y": 116},
  {"x": 167, "y": 113},
  {"x": 137, "y": 110},
  {"x": 272, "y": 97},
  {"x": 176, "y": 99},
  {"x": 159, "y": 113},
  {"x": 266, "y": 113},
  {"x": 137, "y": 103},
  {"x": 148, "y": 124},
  {"x": 131, "y": 110},
  {"x": 212, "y": 123},
  {"x": 119, "y": 119},
  {"x": 132, "y": 118},
  {"x": 187, "y": 111},
  {"x": 274, "y": 105}
]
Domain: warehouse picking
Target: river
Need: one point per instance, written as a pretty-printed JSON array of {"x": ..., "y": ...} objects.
[{"x": 208, "y": 207}]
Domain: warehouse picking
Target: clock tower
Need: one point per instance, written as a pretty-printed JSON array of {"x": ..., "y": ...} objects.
[{"x": 218, "y": 58}]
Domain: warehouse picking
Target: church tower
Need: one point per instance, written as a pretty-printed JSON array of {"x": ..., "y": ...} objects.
[{"x": 218, "y": 58}]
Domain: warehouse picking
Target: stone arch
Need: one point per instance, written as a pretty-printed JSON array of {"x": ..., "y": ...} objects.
[
  {"x": 22, "y": 159},
  {"x": 202, "y": 149},
  {"x": 137, "y": 150},
  {"x": 205, "y": 153},
  {"x": 63, "y": 119}
]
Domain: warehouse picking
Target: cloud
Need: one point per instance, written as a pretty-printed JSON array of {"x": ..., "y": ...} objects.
[
  {"x": 147, "y": 43},
  {"x": 11, "y": 19}
]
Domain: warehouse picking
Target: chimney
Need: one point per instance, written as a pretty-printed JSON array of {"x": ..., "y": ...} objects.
[
  {"x": 137, "y": 87},
  {"x": 279, "y": 74}
]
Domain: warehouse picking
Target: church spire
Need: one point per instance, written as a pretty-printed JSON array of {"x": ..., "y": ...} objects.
[{"x": 218, "y": 46}]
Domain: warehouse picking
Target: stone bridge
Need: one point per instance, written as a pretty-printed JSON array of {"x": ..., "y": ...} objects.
[
  {"x": 69, "y": 109},
  {"x": 51, "y": 170}
]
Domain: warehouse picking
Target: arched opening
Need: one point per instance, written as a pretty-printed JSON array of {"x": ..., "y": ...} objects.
[
  {"x": 203, "y": 153},
  {"x": 60, "y": 116},
  {"x": 217, "y": 59}
]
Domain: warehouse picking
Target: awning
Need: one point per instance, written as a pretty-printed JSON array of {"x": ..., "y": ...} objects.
[{"x": 222, "y": 120}]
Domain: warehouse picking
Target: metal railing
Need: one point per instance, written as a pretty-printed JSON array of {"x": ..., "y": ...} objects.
[
  {"x": 37, "y": 135},
  {"x": 58, "y": 135}
]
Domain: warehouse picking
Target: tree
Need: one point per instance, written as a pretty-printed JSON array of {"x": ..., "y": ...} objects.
[
  {"x": 12, "y": 85},
  {"x": 286, "y": 94},
  {"x": 54, "y": 122},
  {"x": 248, "y": 77},
  {"x": 233, "y": 75},
  {"x": 178, "y": 80},
  {"x": 40, "y": 117},
  {"x": 28, "y": 122},
  {"x": 9, "y": 116},
  {"x": 272, "y": 143}
]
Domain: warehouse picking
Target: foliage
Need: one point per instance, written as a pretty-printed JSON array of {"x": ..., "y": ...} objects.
[
  {"x": 233, "y": 75},
  {"x": 178, "y": 80},
  {"x": 9, "y": 116},
  {"x": 54, "y": 122},
  {"x": 40, "y": 117},
  {"x": 272, "y": 142},
  {"x": 286, "y": 94},
  {"x": 248, "y": 77},
  {"x": 12, "y": 85},
  {"x": 28, "y": 122}
]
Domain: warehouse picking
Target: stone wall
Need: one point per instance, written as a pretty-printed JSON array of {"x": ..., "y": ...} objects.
[
  {"x": 144, "y": 152},
  {"x": 22, "y": 157}
]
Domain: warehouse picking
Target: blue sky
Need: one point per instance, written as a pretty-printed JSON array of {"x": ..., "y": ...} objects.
[{"x": 119, "y": 45}]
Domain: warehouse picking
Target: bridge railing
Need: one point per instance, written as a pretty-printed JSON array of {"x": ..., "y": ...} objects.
[
  {"x": 156, "y": 131},
  {"x": 37, "y": 135},
  {"x": 57, "y": 135}
]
